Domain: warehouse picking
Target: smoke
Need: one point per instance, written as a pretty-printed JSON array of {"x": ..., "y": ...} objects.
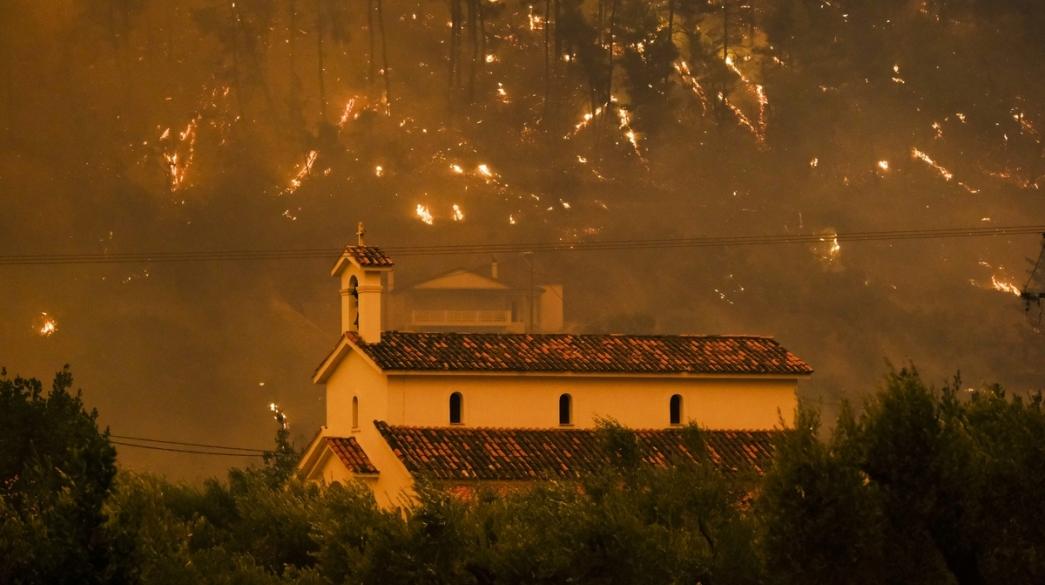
[{"x": 206, "y": 126}]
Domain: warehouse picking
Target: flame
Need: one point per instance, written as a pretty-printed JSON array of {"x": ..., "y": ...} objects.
[
  {"x": 303, "y": 172},
  {"x": 683, "y": 70},
  {"x": 457, "y": 213},
  {"x": 624, "y": 124},
  {"x": 536, "y": 20},
  {"x": 484, "y": 170},
  {"x": 179, "y": 157},
  {"x": 424, "y": 214},
  {"x": 1004, "y": 286},
  {"x": 814, "y": 162},
  {"x": 947, "y": 175},
  {"x": 883, "y": 165},
  {"x": 379, "y": 171},
  {"x": 46, "y": 325},
  {"x": 457, "y": 168},
  {"x": 763, "y": 102},
  {"x": 347, "y": 113}
]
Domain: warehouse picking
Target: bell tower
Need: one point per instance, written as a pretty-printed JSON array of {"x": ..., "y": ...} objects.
[{"x": 359, "y": 271}]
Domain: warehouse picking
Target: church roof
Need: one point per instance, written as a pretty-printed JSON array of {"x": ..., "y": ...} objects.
[
  {"x": 457, "y": 453},
  {"x": 351, "y": 454},
  {"x": 584, "y": 354},
  {"x": 365, "y": 256},
  {"x": 368, "y": 256}
]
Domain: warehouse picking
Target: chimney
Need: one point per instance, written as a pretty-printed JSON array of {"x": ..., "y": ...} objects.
[{"x": 493, "y": 269}]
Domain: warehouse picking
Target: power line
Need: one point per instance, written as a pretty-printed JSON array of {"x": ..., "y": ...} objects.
[
  {"x": 191, "y": 451},
  {"x": 509, "y": 248},
  {"x": 185, "y": 444}
]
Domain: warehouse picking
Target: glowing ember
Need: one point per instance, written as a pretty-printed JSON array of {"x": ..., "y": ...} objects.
[
  {"x": 45, "y": 325},
  {"x": 511, "y": 219},
  {"x": 457, "y": 214},
  {"x": 303, "y": 172},
  {"x": 683, "y": 70},
  {"x": 896, "y": 77},
  {"x": 424, "y": 214},
  {"x": 536, "y": 20},
  {"x": 828, "y": 251},
  {"x": 947, "y": 175},
  {"x": 741, "y": 117},
  {"x": 883, "y": 165},
  {"x": 763, "y": 101},
  {"x": 379, "y": 171},
  {"x": 490, "y": 58},
  {"x": 456, "y": 168},
  {"x": 279, "y": 415},
  {"x": 346, "y": 115},
  {"x": 180, "y": 155},
  {"x": 624, "y": 124},
  {"x": 814, "y": 162},
  {"x": 484, "y": 170},
  {"x": 937, "y": 130}
]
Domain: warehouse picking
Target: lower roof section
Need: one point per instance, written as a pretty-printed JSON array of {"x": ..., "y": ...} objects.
[
  {"x": 350, "y": 454},
  {"x": 505, "y": 454}
]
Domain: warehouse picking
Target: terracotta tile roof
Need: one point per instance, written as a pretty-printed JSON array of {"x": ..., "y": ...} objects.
[
  {"x": 368, "y": 256},
  {"x": 351, "y": 454},
  {"x": 555, "y": 352},
  {"x": 456, "y": 453}
]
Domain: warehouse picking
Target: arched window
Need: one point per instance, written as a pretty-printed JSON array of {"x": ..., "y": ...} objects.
[
  {"x": 355, "y": 412},
  {"x": 353, "y": 303},
  {"x": 456, "y": 404},
  {"x": 675, "y": 409},
  {"x": 565, "y": 409}
]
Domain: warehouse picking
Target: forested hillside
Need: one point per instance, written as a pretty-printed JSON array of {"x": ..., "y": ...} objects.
[{"x": 139, "y": 125}]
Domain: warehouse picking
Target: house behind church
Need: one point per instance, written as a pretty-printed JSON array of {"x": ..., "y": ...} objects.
[{"x": 466, "y": 407}]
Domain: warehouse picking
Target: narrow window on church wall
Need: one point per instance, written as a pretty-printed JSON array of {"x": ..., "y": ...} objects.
[
  {"x": 455, "y": 408},
  {"x": 675, "y": 409},
  {"x": 565, "y": 409},
  {"x": 355, "y": 412}
]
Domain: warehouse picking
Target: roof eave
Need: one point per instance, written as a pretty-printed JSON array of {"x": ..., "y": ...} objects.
[{"x": 571, "y": 374}]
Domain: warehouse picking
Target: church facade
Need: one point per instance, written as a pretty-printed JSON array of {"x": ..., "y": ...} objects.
[{"x": 461, "y": 408}]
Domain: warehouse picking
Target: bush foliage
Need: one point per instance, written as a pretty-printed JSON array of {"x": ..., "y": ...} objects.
[{"x": 924, "y": 485}]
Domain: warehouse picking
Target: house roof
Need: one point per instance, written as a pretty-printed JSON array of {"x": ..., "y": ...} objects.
[
  {"x": 350, "y": 454},
  {"x": 584, "y": 354},
  {"x": 456, "y": 453}
]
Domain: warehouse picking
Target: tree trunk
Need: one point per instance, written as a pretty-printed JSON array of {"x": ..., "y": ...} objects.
[
  {"x": 370, "y": 71},
  {"x": 319, "y": 63},
  {"x": 609, "y": 51},
  {"x": 725, "y": 29},
  {"x": 547, "y": 49},
  {"x": 455, "y": 38},
  {"x": 385, "y": 72},
  {"x": 473, "y": 34},
  {"x": 671, "y": 21}
]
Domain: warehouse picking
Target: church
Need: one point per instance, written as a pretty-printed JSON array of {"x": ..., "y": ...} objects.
[{"x": 466, "y": 408}]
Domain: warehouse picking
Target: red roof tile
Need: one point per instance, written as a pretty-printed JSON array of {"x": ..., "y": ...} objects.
[
  {"x": 555, "y": 352},
  {"x": 443, "y": 453},
  {"x": 368, "y": 256},
  {"x": 351, "y": 454}
]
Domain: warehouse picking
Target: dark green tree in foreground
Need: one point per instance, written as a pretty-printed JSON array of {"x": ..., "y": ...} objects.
[
  {"x": 56, "y": 471},
  {"x": 925, "y": 486}
]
